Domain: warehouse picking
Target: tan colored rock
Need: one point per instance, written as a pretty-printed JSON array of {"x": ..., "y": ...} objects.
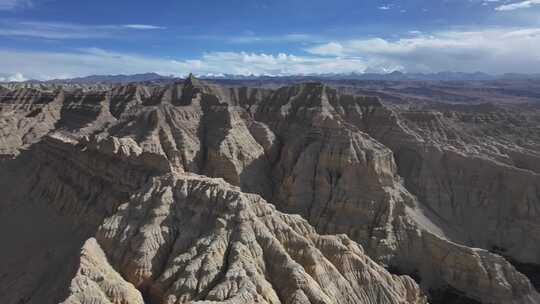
[
  {"x": 343, "y": 181},
  {"x": 190, "y": 238},
  {"x": 97, "y": 282},
  {"x": 194, "y": 239},
  {"x": 122, "y": 160}
]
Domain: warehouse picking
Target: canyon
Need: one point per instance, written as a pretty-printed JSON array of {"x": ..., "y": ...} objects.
[{"x": 198, "y": 191}]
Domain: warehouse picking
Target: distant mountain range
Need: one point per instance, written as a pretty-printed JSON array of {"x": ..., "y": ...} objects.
[
  {"x": 394, "y": 76},
  {"x": 114, "y": 78}
]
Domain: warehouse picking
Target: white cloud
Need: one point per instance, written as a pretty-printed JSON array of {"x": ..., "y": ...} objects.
[
  {"x": 58, "y": 30},
  {"x": 250, "y": 37},
  {"x": 490, "y": 50},
  {"x": 143, "y": 27},
  {"x": 384, "y": 7},
  {"x": 330, "y": 48},
  {"x": 517, "y": 5},
  {"x": 281, "y": 64},
  {"x": 17, "y": 77},
  {"x": 49, "y": 65},
  {"x": 6, "y": 5}
]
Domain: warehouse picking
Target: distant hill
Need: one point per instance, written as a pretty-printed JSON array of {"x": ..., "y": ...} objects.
[{"x": 114, "y": 78}]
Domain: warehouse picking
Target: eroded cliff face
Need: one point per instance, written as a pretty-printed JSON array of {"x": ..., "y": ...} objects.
[
  {"x": 475, "y": 167},
  {"x": 129, "y": 168},
  {"x": 123, "y": 223},
  {"x": 178, "y": 238}
]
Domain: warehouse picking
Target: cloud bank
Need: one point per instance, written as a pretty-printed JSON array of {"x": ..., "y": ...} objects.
[
  {"x": 494, "y": 51},
  {"x": 517, "y": 5},
  {"x": 489, "y": 50},
  {"x": 50, "y": 65},
  {"x": 17, "y": 77}
]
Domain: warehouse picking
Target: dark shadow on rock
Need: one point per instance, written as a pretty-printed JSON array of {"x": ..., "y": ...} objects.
[
  {"x": 44, "y": 247},
  {"x": 532, "y": 271},
  {"x": 449, "y": 295}
]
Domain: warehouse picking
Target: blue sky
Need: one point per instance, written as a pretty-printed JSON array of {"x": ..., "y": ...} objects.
[{"x": 46, "y": 39}]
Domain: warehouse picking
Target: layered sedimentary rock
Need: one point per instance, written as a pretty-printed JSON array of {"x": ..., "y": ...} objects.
[
  {"x": 475, "y": 167},
  {"x": 178, "y": 237},
  {"x": 425, "y": 192},
  {"x": 97, "y": 282},
  {"x": 199, "y": 239}
]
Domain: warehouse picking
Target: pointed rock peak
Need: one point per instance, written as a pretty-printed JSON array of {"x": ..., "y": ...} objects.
[
  {"x": 192, "y": 81},
  {"x": 314, "y": 84},
  {"x": 190, "y": 89},
  {"x": 316, "y": 88}
]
